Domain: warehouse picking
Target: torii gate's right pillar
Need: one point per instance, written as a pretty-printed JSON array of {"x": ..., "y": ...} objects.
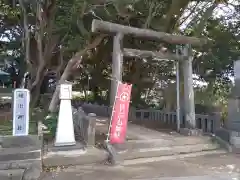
[{"x": 189, "y": 104}]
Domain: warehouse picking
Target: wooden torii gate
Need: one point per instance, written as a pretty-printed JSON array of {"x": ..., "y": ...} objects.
[{"x": 118, "y": 52}]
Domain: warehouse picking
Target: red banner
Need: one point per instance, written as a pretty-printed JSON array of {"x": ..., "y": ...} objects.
[{"x": 120, "y": 114}]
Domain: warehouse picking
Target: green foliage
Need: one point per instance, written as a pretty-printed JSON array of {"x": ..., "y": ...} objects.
[
  {"x": 89, "y": 98},
  {"x": 72, "y": 23},
  {"x": 51, "y": 123},
  {"x": 215, "y": 95}
]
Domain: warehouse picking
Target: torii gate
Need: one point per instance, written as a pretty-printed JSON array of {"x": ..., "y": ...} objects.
[{"x": 118, "y": 52}]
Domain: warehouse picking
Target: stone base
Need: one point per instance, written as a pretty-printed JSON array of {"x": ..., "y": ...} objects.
[
  {"x": 65, "y": 144},
  {"x": 53, "y": 148},
  {"x": 230, "y": 138},
  {"x": 224, "y": 134},
  {"x": 13, "y": 174},
  {"x": 235, "y": 139},
  {"x": 20, "y": 141},
  {"x": 72, "y": 155},
  {"x": 22, "y": 153},
  {"x": 113, "y": 156},
  {"x": 191, "y": 132}
]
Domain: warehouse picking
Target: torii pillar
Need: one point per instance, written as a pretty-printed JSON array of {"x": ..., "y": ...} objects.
[
  {"x": 189, "y": 104},
  {"x": 117, "y": 65}
]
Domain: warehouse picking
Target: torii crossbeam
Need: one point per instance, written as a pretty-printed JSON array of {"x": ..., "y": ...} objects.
[{"x": 108, "y": 27}]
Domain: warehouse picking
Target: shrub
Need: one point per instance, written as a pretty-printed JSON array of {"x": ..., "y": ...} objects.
[{"x": 51, "y": 123}]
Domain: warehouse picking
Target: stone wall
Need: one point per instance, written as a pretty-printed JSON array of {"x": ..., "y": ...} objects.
[
  {"x": 84, "y": 126},
  {"x": 208, "y": 123}
]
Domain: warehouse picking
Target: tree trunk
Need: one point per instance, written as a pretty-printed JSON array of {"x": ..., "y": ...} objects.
[
  {"x": 71, "y": 66},
  {"x": 35, "y": 94}
]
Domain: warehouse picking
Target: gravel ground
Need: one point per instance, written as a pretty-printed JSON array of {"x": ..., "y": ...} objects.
[{"x": 212, "y": 167}]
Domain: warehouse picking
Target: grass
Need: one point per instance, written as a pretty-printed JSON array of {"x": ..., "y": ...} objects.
[{"x": 6, "y": 127}]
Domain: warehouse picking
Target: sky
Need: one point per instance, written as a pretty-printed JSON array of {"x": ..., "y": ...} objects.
[{"x": 220, "y": 11}]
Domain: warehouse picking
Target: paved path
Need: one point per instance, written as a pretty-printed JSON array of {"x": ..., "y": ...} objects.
[
  {"x": 137, "y": 132},
  {"x": 15, "y": 174},
  {"x": 211, "y": 167}
]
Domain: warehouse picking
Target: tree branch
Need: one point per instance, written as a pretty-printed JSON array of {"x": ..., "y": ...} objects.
[
  {"x": 73, "y": 63},
  {"x": 45, "y": 55},
  {"x": 200, "y": 26},
  {"x": 191, "y": 13},
  {"x": 26, "y": 39},
  {"x": 150, "y": 15},
  {"x": 60, "y": 64},
  {"x": 175, "y": 10}
]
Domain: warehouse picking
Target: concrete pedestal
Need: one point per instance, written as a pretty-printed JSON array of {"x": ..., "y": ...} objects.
[
  {"x": 72, "y": 155},
  {"x": 65, "y": 130}
]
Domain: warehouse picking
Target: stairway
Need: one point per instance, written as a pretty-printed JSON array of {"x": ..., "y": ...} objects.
[
  {"x": 20, "y": 156},
  {"x": 136, "y": 149},
  {"x": 145, "y": 143}
]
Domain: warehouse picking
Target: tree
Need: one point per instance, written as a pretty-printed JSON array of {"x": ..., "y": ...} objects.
[{"x": 57, "y": 40}]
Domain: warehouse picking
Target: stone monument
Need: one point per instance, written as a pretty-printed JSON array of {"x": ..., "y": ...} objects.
[
  {"x": 65, "y": 130},
  {"x": 21, "y": 100},
  {"x": 233, "y": 121},
  {"x": 21, "y": 152}
]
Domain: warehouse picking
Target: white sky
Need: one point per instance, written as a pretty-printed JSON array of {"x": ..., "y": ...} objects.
[{"x": 220, "y": 11}]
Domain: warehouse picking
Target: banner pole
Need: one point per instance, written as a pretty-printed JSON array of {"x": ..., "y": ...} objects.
[
  {"x": 110, "y": 123},
  {"x": 112, "y": 154}
]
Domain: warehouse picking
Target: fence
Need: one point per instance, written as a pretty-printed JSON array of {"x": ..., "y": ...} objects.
[
  {"x": 208, "y": 123},
  {"x": 84, "y": 126}
]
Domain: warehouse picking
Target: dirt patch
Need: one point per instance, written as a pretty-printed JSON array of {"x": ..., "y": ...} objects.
[{"x": 100, "y": 139}]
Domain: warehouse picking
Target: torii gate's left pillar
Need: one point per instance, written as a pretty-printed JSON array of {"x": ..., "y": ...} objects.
[{"x": 117, "y": 65}]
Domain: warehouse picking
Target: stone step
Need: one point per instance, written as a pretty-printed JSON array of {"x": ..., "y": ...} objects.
[
  {"x": 177, "y": 141},
  {"x": 136, "y": 153},
  {"x": 74, "y": 157},
  {"x": 12, "y": 151},
  {"x": 20, "y": 141},
  {"x": 20, "y": 158},
  {"x": 21, "y": 152},
  {"x": 21, "y": 155},
  {"x": 12, "y": 174},
  {"x": 21, "y": 164},
  {"x": 172, "y": 157}
]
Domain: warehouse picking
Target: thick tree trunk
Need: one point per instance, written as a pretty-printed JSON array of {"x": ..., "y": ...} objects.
[
  {"x": 35, "y": 95},
  {"x": 72, "y": 64}
]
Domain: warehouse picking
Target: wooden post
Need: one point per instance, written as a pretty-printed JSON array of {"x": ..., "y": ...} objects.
[
  {"x": 188, "y": 90},
  {"x": 117, "y": 63},
  {"x": 91, "y": 129}
]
